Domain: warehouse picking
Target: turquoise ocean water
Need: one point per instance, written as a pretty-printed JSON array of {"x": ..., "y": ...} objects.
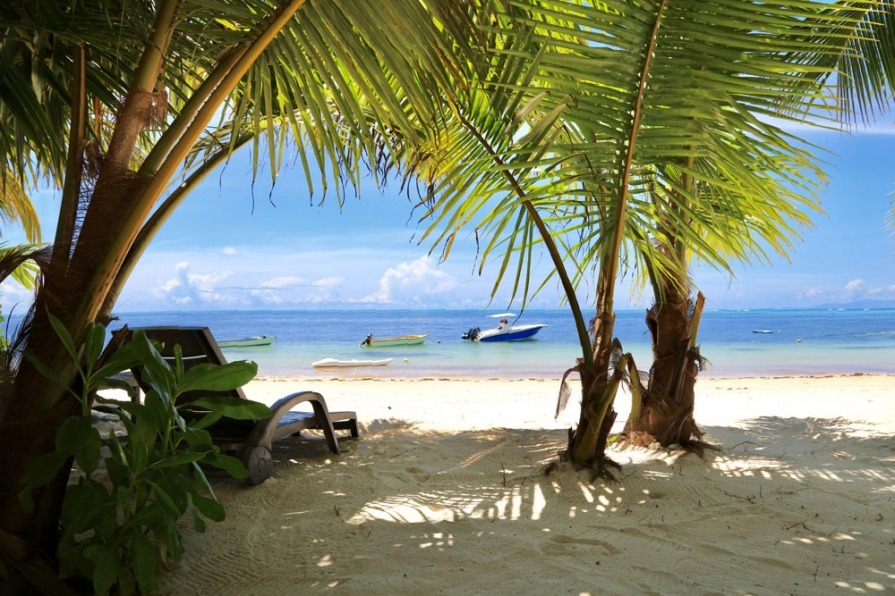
[{"x": 800, "y": 342}]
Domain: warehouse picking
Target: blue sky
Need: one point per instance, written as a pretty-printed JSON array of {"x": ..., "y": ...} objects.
[{"x": 229, "y": 247}]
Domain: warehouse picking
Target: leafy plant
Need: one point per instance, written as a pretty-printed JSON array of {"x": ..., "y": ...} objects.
[{"x": 119, "y": 520}]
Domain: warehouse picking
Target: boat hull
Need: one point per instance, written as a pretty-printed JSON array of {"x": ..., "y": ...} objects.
[
  {"x": 399, "y": 340},
  {"x": 335, "y": 363},
  {"x": 248, "y": 342},
  {"x": 515, "y": 333}
]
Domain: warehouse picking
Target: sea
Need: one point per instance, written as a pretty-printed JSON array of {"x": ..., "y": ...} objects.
[{"x": 736, "y": 343}]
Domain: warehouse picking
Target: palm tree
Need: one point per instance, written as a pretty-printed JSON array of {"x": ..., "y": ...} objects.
[
  {"x": 861, "y": 60},
  {"x": 150, "y": 97},
  {"x": 638, "y": 136}
]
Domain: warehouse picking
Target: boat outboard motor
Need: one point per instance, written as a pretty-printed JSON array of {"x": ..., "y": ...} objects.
[{"x": 472, "y": 334}]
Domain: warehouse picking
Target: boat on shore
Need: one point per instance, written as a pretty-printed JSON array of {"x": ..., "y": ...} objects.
[
  {"x": 336, "y": 363},
  {"x": 248, "y": 342},
  {"x": 398, "y": 340},
  {"x": 504, "y": 331}
]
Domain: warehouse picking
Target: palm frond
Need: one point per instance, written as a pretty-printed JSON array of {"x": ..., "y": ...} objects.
[
  {"x": 564, "y": 117},
  {"x": 23, "y": 263}
]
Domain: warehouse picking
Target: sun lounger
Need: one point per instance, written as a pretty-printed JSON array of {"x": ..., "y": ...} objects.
[{"x": 251, "y": 439}]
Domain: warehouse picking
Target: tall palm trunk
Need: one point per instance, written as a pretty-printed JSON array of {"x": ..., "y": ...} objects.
[
  {"x": 599, "y": 385},
  {"x": 665, "y": 411}
]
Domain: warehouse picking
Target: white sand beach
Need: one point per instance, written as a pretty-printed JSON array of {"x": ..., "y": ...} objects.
[{"x": 445, "y": 493}]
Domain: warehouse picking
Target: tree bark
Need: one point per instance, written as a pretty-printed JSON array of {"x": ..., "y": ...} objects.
[
  {"x": 666, "y": 409},
  {"x": 588, "y": 441},
  {"x": 23, "y": 439}
]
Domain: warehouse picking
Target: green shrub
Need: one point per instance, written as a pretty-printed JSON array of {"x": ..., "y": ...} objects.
[{"x": 119, "y": 520}]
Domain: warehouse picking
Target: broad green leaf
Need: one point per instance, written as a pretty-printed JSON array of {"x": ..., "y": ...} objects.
[
  {"x": 108, "y": 569},
  {"x": 88, "y": 453},
  {"x": 210, "y": 508},
  {"x": 86, "y": 503},
  {"x": 44, "y": 469},
  {"x": 209, "y": 377},
  {"x": 72, "y": 432},
  {"x": 228, "y": 463},
  {"x": 233, "y": 407},
  {"x": 164, "y": 497},
  {"x": 178, "y": 459},
  {"x": 146, "y": 561},
  {"x": 199, "y": 524},
  {"x": 64, "y": 336},
  {"x": 94, "y": 340}
]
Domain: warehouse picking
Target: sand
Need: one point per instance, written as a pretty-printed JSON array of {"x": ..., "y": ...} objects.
[{"x": 445, "y": 493}]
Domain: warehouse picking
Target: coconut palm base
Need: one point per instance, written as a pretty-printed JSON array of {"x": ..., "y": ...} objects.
[
  {"x": 642, "y": 439},
  {"x": 602, "y": 469}
]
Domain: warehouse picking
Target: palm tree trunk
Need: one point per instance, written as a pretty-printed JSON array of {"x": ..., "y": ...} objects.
[
  {"x": 666, "y": 409},
  {"x": 22, "y": 440},
  {"x": 587, "y": 443}
]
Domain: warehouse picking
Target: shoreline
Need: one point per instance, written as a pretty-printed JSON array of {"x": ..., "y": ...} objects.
[
  {"x": 372, "y": 378},
  {"x": 456, "y": 405}
]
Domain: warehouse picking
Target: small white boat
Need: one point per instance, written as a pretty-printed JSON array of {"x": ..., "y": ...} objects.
[
  {"x": 248, "y": 342},
  {"x": 504, "y": 331},
  {"x": 336, "y": 363},
  {"x": 398, "y": 340}
]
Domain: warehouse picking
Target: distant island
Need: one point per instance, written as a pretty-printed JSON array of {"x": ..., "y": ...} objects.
[{"x": 861, "y": 304}]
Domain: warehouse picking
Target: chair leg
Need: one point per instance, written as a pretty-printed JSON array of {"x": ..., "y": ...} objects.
[
  {"x": 349, "y": 424},
  {"x": 326, "y": 425}
]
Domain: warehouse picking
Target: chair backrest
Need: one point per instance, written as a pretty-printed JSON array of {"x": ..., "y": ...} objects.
[{"x": 197, "y": 345}]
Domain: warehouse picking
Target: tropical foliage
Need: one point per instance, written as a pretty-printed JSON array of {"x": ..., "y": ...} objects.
[{"x": 120, "y": 518}]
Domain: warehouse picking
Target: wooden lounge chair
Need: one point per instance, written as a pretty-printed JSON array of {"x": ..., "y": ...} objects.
[{"x": 251, "y": 439}]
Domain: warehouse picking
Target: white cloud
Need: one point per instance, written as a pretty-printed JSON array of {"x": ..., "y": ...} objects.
[
  {"x": 266, "y": 297},
  {"x": 328, "y": 282},
  {"x": 282, "y": 282},
  {"x": 187, "y": 288},
  {"x": 412, "y": 283},
  {"x": 230, "y": 251},
  {"x": 812, "y": 292},
  {"x": 854, "y": 285},
  {"x": 14, "y": 297}
]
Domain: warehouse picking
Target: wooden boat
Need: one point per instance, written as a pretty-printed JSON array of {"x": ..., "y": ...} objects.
[
  {"x": 336, "y": 363},
  {"x": 248, "y": 342},
  {"x": 398, "y": 340},
  {"x": 504, "y": 331}
]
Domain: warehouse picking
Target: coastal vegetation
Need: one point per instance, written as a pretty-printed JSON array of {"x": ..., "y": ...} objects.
[{"x": 620, "y": 138}]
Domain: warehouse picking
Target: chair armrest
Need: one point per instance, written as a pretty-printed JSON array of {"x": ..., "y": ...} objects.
[
  {"x": 284, "y": 404},
  {"x": 264, "y": 430}
]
